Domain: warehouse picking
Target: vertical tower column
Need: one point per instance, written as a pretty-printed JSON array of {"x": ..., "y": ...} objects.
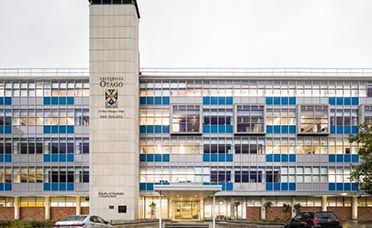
[
  {"x": 354, "y": 207},
  {"x": 17, "y": 213},
  {"x": 114, "y": 110},
  {"x": 324, "y": 203},
  {"x": 47, "y": 207}
]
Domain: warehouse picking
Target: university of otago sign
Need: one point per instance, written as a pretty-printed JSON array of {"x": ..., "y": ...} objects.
[{"x": 111, "y": 85}]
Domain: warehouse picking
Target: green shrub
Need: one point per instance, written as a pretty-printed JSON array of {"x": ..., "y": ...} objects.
[{"x": 26, "y": 224}]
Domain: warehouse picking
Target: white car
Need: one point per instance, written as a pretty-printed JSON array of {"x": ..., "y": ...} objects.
[{"x": 83, "y": 221}]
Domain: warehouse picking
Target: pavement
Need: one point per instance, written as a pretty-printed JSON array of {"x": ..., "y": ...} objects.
[{"x": 357, "y": 224}]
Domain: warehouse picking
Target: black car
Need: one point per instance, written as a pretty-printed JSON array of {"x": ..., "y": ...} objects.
[{"x": 314, "y": 220}]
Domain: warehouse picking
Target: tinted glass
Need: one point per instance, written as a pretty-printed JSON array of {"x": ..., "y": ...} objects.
[
  {"x": 325, "y": 215},
  {"x": 74, "y": 218}
]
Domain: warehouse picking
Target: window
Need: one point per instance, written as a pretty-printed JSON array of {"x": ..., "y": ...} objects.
[
  {"x": 313, "y": 119},
  {"x": 6, "y": 201},
  {"x": 81, "y": 117},
  {"x": 250, "y": 119},
  {"x": 63, "y": 201},
  {"x": 186, "y": 119},
  {"x": 248, "y": 174},
  {"x": 248, "y": 149},
  {"x": 154, "y": 116},
  {"x": 220, "y": 176},
  {"x": 217, "y": 149},
  {"x": 2, "y": 178},
  {"x": 59, "y": 174},
  {"x": 272, "y": 175},
  {"x": 368, "y": 113},
  {"x": 369, "y": 90},
  {"x": 32, "y": 202},
  {"x": 217, "y": 116}
]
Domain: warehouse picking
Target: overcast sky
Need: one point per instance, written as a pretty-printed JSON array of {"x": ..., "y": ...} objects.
[{"x": 197, "y": 33}]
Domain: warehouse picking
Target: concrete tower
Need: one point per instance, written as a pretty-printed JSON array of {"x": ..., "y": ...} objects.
[{"x": 114, "y": 118}]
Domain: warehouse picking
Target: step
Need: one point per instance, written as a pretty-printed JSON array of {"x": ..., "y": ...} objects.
[{"x": 187, "y": 224}]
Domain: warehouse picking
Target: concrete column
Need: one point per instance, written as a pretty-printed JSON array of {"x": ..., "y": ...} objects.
[
  {"x": 201, "y": 214},
  {"x": 78, "y": 205},
  {"x": 263, "y": 211},
  {"x": 354, "y": 208},
  {"x": 324, "y": 203},
  {"x": 47, "y": 207},
  {"x": 173, "y": 210},
  {"x": 17, "y": 201},
  {"x": 169, "y": 208},
  {"x": 214, "y": 211},
  {"x": 293, "y": 211},
  {"x": 160, "y": 212}
]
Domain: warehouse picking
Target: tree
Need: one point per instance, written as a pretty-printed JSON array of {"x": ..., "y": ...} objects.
[
  {"x": 267, "y": 206},
  {"x": 286, "y": 209},
  {"x": 236, "y": 207},
  {"x": 297, "y": 207},
  {"x": 362, "y": 173},
  {"x": 152, "y": 206}
]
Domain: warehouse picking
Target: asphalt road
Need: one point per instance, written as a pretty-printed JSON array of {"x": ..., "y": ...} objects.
[{"x": 357, "y": 225}]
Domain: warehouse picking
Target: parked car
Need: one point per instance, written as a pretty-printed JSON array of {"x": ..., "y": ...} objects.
[
  {"x": 314, "y": 220},
  {"x": 83, "y": 221}
]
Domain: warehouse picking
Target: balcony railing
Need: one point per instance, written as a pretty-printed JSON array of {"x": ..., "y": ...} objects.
[{"x": 44, "y": 72}]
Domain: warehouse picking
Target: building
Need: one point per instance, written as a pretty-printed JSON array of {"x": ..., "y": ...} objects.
[{"x": 107, "y": 140}]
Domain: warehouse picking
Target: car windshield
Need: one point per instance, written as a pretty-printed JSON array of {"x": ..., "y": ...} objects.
[
  {"x": 325, "y": 215},
  {"x": 74, "y": 218}
]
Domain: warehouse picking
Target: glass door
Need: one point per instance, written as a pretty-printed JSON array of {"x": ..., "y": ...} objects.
[{"x": 187, "y": 210}]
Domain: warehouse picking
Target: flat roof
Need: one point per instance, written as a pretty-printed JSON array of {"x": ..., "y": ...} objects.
[
  {"x": 116, "y": 2},
  {"x": 183, "y": 191},
  {"x": 333, "y": 74},
  {"x": 258, "y": 73}
]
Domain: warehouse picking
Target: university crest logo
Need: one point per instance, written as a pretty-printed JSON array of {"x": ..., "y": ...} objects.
[{"x": 111, "y": 97}]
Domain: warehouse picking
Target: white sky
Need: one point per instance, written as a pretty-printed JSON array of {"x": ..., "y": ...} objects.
[{"x": 197, "y": 33}]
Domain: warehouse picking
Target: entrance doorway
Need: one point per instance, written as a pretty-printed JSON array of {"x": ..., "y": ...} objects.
[{"x": 187, "y": 210}]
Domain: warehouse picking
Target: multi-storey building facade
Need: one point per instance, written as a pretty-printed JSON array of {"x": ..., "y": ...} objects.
[
  {"x": 109, "y": 139},
  {"x": 259, "y": 136}
]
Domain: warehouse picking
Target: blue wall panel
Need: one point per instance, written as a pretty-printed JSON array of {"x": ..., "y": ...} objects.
[
  {"x": 343, "y": 100},
  {"x": 218, "y": 100}
]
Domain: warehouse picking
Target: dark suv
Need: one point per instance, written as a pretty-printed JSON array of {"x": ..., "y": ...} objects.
[{"x": 314, "y": 220}]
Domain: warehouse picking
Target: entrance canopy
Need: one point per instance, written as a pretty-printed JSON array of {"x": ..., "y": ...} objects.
[{"x": 187, "y": 191}]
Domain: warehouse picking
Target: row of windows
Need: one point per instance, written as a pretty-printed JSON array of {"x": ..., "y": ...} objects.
[
  {"x": 256, "y": 88},
  {"x": 44, "y": 88},
  {"x": 44, "y": 146},
  {"x": 250, "y": 119},
  {"x": 60, "y": 201},
  {"x": 38, "y": 117},
  {"x": 247, "y": 145},
  {"x": 246, "y": 174},
  {"x": 44, "y": 175}
]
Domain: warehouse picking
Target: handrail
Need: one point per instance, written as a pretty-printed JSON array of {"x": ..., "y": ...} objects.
[
  {"x": 44, "y": 72},
  {"x": 222, "y": 72},
  {"x": 291, "y": 72}
]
